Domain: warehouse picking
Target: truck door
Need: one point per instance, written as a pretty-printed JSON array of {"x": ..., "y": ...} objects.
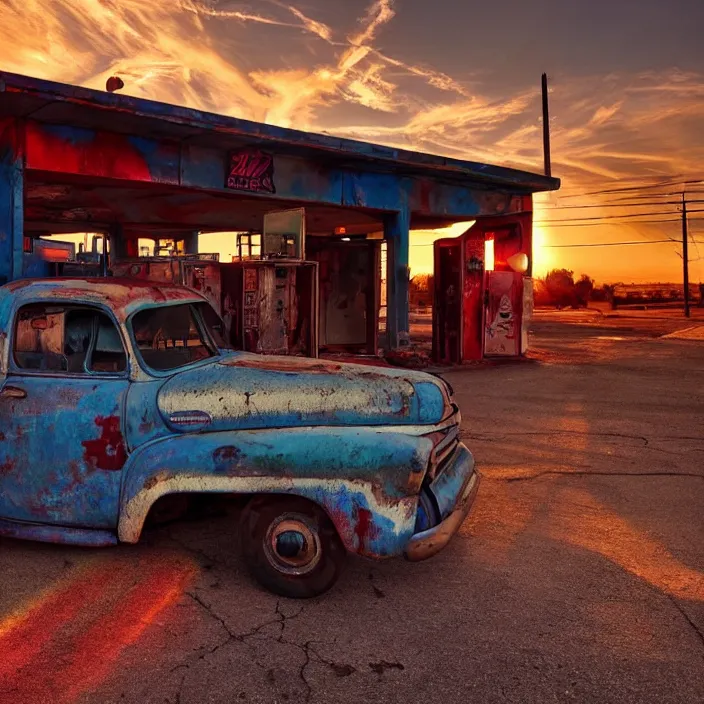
[{"x": 61, "y": 416}]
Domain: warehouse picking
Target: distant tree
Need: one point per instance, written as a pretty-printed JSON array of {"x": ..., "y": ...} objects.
[
  {"x": 541, "y": 295},
  {"x": 560, "y": 286},
  {"x": 583, "y": 290}
]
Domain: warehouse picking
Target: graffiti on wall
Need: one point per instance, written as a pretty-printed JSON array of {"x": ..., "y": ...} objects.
[
  {"x": 251, "y": 170},
  {"x": 503, "y": 325}
]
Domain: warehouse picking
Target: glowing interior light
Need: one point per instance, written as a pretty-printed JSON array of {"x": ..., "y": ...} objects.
[
  {"x": 518, "y": 262},
  {"x": 489, "y": 255}
]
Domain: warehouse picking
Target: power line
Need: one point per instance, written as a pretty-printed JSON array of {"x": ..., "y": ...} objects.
[
  {"x": 617, "y": 205},
  {"x": 631, "y": 223},
  {"x": 610, "y": 244},
  {"x": 599, "y": 224},
  {"x": 630, "y": 189},
  {"x": 612, "y": 205},
  {"x": 599, "y": 244},
  {"x": 604, "y": 217},
  {"x": 636, "y": 196}
]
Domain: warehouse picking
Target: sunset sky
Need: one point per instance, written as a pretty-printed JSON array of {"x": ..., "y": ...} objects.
[{"x": 449, "y": 77}]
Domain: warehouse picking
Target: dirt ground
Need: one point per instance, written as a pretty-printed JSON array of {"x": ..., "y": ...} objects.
[{"x": 579, "y": 576}]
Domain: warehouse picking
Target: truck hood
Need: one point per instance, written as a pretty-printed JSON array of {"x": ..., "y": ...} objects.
[{"x": 247, "y": 391}]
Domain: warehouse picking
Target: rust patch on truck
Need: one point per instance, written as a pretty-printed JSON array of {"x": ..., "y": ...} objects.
[
  {"x": 365, "y": 528},
  {"x": 108, "y": 451}
]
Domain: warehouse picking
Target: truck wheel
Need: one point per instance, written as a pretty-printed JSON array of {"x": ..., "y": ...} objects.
[{"x": 291, "y": 546}]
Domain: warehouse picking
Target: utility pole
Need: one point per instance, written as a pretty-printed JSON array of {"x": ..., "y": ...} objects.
[
  {"x": 546, "y": 125},
  {"x": 685, "y": 256}
]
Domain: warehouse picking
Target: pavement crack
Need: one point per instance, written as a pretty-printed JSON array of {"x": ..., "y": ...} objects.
[
  {"x": 209, "y": 609},
  {"x": 284, "y": 618},
  {"x": 697, "y": 631},
  {"x": 302, "y": 670},
  {"x": 281, "y": 619},
  {"x": 339, "y": 669},
  {"x": 556, "y": 473},
  {"x": 179, "y": 691},
  {"x": 231, "y": 635}
]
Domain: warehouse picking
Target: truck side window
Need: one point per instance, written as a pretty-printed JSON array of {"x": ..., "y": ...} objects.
[
  {"x": 72, "y": 339},
  {"x": 108, "y": 354}
]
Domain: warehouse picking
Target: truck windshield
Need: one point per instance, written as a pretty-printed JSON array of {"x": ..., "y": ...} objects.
[{"x": 169, "y": 337}]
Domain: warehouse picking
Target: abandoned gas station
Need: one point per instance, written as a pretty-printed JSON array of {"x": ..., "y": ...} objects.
[{"x": 313, "y": 212}]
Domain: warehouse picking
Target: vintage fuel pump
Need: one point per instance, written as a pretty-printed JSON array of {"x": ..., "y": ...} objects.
[
  {"x": 270, "y": 292},
  {"x": 483, "y": 309},
  {"x": 267, "y": 296}
]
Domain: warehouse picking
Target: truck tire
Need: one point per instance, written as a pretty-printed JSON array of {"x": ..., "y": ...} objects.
[{"x": 291, "y": 546}]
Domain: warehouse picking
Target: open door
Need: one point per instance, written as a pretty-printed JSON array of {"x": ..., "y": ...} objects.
[
  {"x": 447, "y": 301},
  {"x": 349, "y": 294}
]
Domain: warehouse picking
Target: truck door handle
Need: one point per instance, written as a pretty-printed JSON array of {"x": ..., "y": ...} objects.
[{"x": 12, "y": 392}]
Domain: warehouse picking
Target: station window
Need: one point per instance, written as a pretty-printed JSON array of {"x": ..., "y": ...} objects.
[{"x": 70, "y": 339}]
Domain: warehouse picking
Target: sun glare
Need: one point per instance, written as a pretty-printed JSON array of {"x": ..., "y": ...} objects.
[{"x": 543, "y": 258}]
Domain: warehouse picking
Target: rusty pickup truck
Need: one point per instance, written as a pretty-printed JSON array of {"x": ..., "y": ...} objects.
[{"x": 115, "y": 394}]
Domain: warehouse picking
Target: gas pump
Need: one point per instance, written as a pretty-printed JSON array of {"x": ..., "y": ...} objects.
[{"x": 483, "y": 309}]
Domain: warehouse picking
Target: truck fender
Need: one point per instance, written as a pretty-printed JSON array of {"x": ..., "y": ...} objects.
[{"x": 367, "y": 480}]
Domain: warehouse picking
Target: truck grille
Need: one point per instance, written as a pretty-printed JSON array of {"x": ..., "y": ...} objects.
[{"x": 446, "y": 442}]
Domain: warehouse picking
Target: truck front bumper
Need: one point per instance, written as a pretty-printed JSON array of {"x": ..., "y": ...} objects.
[{"x": 429, "y": 542}]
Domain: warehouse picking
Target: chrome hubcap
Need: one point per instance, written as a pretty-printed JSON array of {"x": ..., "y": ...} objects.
[{"x": 292, "y": 544}]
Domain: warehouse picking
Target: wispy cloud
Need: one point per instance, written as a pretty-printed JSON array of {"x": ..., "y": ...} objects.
[
  {"x": 379, "y": 13},
  {"x": 434, "y": 78},
  {"x": 605, "y": 113},
  {"x": 203, "y": 10},
  {"x": 313, "y": 26}
]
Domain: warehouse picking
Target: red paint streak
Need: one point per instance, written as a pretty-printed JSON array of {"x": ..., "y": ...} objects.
[
  {"x": 7, "y": 467},
  {"x": 107, "y": 155},
  {"x": 365, "y": 529},
  {"x": 108, "y": 451},
  {"x": 69, "y": 645}
]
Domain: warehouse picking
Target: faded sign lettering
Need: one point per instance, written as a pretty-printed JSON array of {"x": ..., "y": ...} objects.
[{"x": 251, "y": 170}]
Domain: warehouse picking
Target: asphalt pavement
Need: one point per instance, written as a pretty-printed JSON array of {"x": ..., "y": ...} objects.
[{"x": 578, "y": 577}]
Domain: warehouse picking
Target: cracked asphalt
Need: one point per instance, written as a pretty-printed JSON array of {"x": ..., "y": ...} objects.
[{"x": 578, "y": 577}]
